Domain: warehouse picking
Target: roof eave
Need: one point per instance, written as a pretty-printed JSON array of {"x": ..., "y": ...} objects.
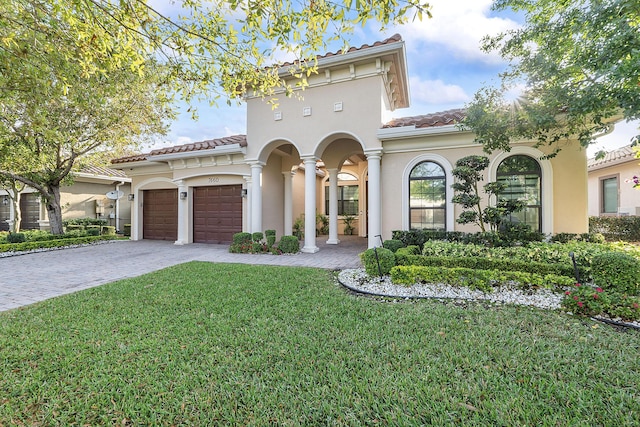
[
  {"x": 217, "y": 151},
  {"x": 388, "y": 134}
]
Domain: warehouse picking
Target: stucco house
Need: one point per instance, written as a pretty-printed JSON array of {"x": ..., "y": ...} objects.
[
  {"x": 85, "y": 198},
  {"x": 339, "y": 151},
  {"x": 611, "y": 191}
]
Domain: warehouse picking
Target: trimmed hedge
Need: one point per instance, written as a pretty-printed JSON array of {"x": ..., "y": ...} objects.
[
  {"x": 617, "y": 271},
  {"x": 420, "y": 237},
  {"x": 393, "y": 245},
  {"x": 484, "y": 280},
  {"x": 625, "y": 228},
  {"x": 28, "y": 246},
  {"x": 380, "y": 256},
  {"x": 289, "y": 245},
  {"x": 484, "y": 263}
]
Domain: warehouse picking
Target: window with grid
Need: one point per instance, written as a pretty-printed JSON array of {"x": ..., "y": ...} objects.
[
  {"x": 348, "y": 195},
  {"x": 522, "y": 176},
  {"x": 427, "y": 197}
]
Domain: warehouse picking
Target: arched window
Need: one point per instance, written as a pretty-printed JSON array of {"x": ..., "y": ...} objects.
[
  {"x": 523, "y": 177},
  {"x": 427, "y": 197}
]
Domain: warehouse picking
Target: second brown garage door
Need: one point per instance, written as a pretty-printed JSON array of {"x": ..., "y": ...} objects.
[{"x": 217, "y": 213}]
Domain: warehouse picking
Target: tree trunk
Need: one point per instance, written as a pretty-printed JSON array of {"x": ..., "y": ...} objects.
[
  {"x": 54, "y": 209},
  {"x": 17, "y": 213}
]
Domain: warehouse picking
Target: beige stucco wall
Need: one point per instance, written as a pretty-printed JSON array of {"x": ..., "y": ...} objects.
[
  {"x": 628, "y": 197},
  {"x": 79, "y": 201},
  {"x": 359, "y": 119}
]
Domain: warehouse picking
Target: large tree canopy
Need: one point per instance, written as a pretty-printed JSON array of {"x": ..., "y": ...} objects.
[
  {"x": 80, "y": 76},
  {"x": 578, "y": 61}
]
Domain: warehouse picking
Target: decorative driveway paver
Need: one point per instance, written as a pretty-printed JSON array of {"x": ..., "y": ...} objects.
[{"x": 33, "y": 277}]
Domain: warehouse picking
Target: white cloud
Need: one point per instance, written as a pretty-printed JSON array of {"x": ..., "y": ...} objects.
[
  {"x": 457, "y": 26},
  {"x": 436, "y": 92}
]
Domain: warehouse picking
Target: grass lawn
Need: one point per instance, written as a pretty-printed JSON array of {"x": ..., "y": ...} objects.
[{"x": 221, "y": 344}]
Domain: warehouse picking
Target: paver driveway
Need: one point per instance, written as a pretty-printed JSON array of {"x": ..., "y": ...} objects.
[{"x": 25, "y": 279}]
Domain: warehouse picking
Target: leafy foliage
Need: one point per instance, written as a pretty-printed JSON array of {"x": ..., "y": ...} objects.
[
  {"x": 625, "y": 228},
  {"x": 617, "y": 271},
  {"x": 578, "y": 60},
  {"x": 468, "y": 173},
  {"x": 378, "y": 261}
]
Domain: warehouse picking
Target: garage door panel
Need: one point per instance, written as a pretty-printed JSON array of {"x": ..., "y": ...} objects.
[
  {"x": 217, "y": 213},
  {"x": 160, "y": 215}
]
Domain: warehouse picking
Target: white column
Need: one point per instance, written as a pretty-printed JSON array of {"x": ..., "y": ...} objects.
[
  {"x": 310, "y": 205},
  {"x": 333, "y": 207},
  {"x": 183, "y": 214},
  {"x": 374, "y": 198},
  {"x": 288, "y": 202},
  {"x": 256, "y": 196}
]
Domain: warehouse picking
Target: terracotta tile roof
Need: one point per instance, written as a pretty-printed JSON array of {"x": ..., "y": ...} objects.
[
  {"x": 621, "y": 155},
  {"x": 194, "y": 146},
  {"x": 393, "y": 39},
  {"x": 99, "y": 170},
  {"x": 443, "y": 118}
]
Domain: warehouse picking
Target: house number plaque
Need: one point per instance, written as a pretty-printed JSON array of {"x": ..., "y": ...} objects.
[{"x": 214, "y": 179}]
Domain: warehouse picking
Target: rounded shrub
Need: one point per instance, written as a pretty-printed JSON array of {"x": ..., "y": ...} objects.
[
  {"x": 257, "y": 236},
  {"x": 616, "y": 271},
  {"x": 371, "y": 258},
  {"x": 393, "y": 245},
  {"x": 271, "y": 237},
  {"x": 16, "y": 238},
  {"x": 240, "y": 238},
  {"x": 289, "y": 245}
]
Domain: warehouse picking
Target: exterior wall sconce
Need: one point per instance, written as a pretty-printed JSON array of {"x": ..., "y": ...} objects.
[
  {"x": 5, "y": 201},
  {"x": 131, "y": 197},
  {"x": 243, "y": 193},
  {"x": 183, "y": 195}
]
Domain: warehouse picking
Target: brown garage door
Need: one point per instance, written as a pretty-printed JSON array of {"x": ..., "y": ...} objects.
[
  {"x": 30, "y": 207},
  {"x": 160, "y": 215},
  {"x": 217, "y": 213}
]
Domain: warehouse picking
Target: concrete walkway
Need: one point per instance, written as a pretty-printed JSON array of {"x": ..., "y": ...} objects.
[{"x": 29, "y": 278}]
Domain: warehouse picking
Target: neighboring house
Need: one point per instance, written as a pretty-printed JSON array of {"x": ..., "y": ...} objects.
[
  {"x": 85, "y": 198},
  {"x": 339, "y": 152},
  {"x": 611, "y": 189}
]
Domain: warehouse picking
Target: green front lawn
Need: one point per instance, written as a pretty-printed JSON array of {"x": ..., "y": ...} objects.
[{"x": 222, "y": 344}]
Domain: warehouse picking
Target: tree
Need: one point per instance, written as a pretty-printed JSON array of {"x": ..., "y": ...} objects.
[
  {"x": 468, "y": 173},
  {"x": 14, "y": 189},
  {"x": 52, "y": 111},
  {"x": 78, "y": 76},
  {"x": 578, "y": 61}
]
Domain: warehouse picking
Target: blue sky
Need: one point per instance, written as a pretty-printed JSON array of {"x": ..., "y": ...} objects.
[{"x": 445, "y": 64}]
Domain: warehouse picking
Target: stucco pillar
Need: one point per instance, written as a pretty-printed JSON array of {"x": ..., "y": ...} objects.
[
  {"x": 333, "y": 207},
  {"x": 310, "y": 205},
  {"x": 183, "y": 213},
  {"x": 374, "y": 198},
  {"x": 256, "y": 196},
  {"x": 288, "y": 202}
]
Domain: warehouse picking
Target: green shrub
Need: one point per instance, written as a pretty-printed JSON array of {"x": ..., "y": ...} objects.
[
  {"x": 587, "y": 300},
  {"x": 271, "y": 237},
  {"x": 513, "y": 237},
  {"x": 393, "y": 245},
  {"x": 474, "y": 279},
  {"x": 289, "y": 245},
  {"x": 16, "y": 238},
  {"x": 27, "y": 246},
  {"x": 616, "y": 271},
  {"x": 240, "y": 238},
  {"x": 625, "y": 228},
  {"x": 84, "y": 221},
  {"x": 93, "y": 231},
  {"x": 489, "y": 263},
  {"x": 257, "y": 236},
  {"x": 108, "y": 230},
  {"x": 385, "y": 259},
  {"x": 74, "y": 227}
]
